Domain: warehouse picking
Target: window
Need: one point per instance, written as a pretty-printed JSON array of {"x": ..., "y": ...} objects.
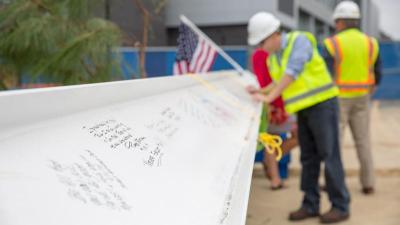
[
  {"x": 286, "y": 6},
  {"x": 304, "y": 21},
  {"x": 320, "y": 30}
]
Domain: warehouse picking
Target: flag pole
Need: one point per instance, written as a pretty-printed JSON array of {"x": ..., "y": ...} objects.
[{"x": 229, "y": 59}]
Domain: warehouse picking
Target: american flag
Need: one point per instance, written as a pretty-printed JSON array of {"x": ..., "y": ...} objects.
[{"x": 195, "y": 54}]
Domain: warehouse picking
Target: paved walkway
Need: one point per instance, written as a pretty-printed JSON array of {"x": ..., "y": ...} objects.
[{"x": 383, "y": 208}]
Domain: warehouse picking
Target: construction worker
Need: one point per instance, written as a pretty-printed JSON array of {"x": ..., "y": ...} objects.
[
  {"x": 306, "y": 86},
  {"x": 280, "y": 123},
  {"x": 353, "y": 58}
]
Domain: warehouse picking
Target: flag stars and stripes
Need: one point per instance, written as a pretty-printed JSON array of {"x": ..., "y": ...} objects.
[{"x": 195, "y": 54}]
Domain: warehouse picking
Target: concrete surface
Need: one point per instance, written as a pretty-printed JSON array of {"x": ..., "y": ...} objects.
[{"x": 382, "y": 208}]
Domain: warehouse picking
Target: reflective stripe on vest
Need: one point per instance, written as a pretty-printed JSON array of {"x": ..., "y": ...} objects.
[
  {"x": 312, "y": 86},
  {"x": 310, "y": 93},
  {"x": 358, "y": 85},
  {"x": 338, "y": 59}
]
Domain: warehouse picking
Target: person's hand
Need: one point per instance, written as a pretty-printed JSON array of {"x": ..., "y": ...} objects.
[
  {"x": 258, "y": 97},
  {"x": 252, "y": 89}
]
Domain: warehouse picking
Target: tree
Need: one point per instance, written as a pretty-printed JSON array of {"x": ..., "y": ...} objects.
[
  {"x": 147, "y": 15},
  {"x": 57, "y": 40}
]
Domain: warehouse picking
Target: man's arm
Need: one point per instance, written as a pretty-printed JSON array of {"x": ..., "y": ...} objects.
[
  {"x": 329, "y": 60},
  {"x": 302, "y": 53},
  {"x": 259, "y": 64},
  {"x": 378, "y": 70},
  {"x": 276, "y": 91}
]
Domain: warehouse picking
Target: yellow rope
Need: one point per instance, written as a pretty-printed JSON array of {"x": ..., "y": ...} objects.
[{"x": 272, "y": 144}]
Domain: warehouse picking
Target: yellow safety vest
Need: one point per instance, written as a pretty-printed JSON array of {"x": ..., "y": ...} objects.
[
  {"x": 312, "y": 86},
  {"x": 355, "y": 55}
]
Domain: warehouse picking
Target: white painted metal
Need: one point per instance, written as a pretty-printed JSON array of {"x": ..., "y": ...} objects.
[{"x": 174, "y": 150}]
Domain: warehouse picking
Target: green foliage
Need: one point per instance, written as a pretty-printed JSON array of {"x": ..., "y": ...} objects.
[{"x": 58, "y": 39}]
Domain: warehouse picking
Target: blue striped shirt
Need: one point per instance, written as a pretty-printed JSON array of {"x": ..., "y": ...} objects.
[{"x": 300, "y": 55}]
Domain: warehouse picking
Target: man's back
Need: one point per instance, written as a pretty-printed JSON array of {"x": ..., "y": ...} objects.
[{"x": 354, "y": 54}]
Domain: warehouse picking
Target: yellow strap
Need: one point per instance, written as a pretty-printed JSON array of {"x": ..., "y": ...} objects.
[
  {"x": 213, "y": 89},
  {"x": 227, "y": 99},
  {"x": 272, "y": 144}
]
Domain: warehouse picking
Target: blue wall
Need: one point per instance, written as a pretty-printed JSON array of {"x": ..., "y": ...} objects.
[
  {"x": 159, "y": 62},
  {"x": 390, "y": 53}
]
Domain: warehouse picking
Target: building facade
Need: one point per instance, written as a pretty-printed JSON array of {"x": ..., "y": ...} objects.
[
  {"x": 129, "y": 18},
  {"x": 225, "y": 21}
]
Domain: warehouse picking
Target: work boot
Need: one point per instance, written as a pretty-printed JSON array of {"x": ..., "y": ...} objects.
[
  {"x": 301, "y": 214},
  {"x": 334, "y": 216},
  {"x": 368, "y": 190}
]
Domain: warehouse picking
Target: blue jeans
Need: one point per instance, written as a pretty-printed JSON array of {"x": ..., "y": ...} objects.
[{"x": 318, "y": 128}]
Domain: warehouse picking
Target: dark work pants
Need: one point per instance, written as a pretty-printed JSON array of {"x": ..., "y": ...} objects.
[{"x": 319, "y": 142}]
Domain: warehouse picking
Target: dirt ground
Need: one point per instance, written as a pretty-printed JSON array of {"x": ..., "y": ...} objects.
[{"x": 382, "y": 208}]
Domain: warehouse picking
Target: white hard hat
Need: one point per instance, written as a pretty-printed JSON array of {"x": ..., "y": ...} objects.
[
  {"x": 346, "y": 10},
  {"x": 261, "y": 25}
]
